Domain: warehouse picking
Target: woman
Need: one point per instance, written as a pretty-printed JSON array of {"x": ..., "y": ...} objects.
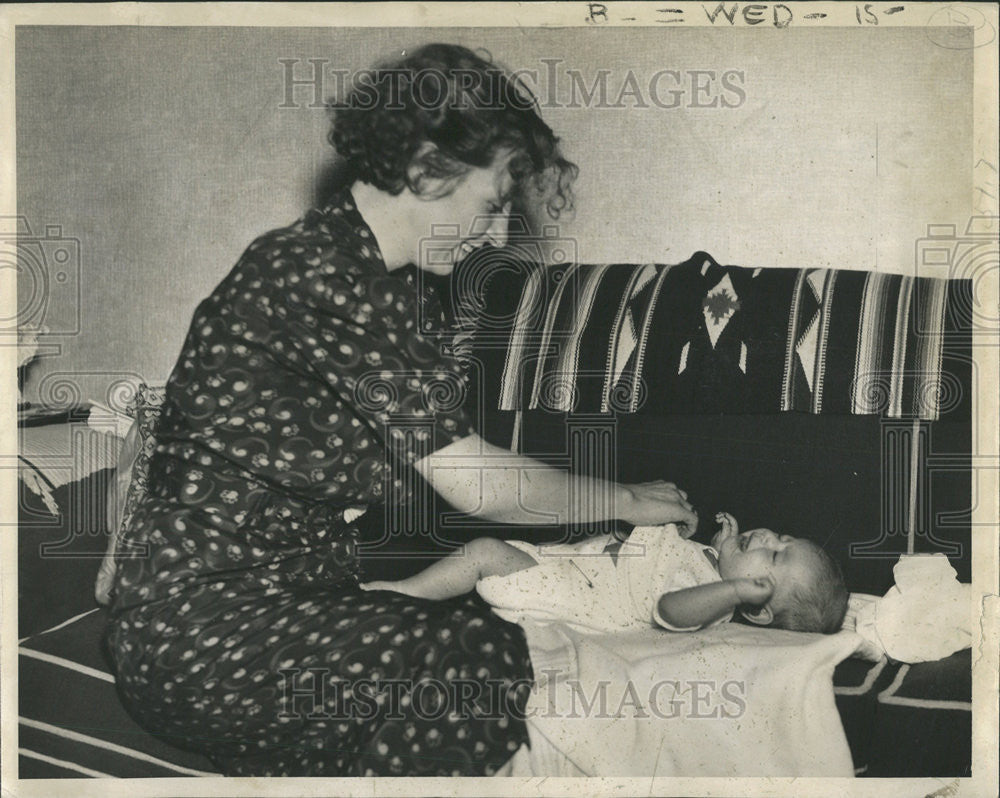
[{"x": 243, "y": 630}]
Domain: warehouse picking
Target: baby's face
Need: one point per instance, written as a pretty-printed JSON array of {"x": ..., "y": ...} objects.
[{"x": 763, "y": 554}]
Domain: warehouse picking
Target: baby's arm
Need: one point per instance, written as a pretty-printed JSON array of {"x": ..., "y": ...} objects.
[
  {"x": 457, "y": 574},
  {"x": 695, "y": 607}
]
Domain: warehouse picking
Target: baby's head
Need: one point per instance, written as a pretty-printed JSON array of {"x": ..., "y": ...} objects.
[{"x": 809, "y": 592}]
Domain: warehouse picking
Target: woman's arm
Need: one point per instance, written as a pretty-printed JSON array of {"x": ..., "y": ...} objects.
[
  {"x": 694, "y": 607},
  {"x": 481, "y": 479}
]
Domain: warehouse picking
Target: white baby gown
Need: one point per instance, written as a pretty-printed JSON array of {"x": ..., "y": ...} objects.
[{"x": 581, "y": 585}]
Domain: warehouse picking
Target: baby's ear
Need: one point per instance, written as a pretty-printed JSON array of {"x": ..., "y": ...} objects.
[{"x": 762, "y": 616}]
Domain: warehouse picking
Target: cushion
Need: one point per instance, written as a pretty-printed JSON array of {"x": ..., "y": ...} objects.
[
  {"x": 57, "y": 446},
  {"x": 789, "y": 472},
  {"x": 133, "y": 464},
  {"x": 130, "y": 481}
]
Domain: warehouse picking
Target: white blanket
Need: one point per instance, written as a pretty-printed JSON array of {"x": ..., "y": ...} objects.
[{"x": 728, "y": 701}]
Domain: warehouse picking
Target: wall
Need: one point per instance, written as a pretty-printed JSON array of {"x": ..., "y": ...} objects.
[{"x": 165, "y": 151}]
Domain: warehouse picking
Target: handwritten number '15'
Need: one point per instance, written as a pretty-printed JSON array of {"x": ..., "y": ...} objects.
[{"x": 870, "y": 18}]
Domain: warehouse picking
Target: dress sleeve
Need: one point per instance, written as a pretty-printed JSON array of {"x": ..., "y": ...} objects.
[{"x": 366, "y": 346}]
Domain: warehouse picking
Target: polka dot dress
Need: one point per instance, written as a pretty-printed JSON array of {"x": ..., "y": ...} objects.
[{"x": 304, "y": 390}]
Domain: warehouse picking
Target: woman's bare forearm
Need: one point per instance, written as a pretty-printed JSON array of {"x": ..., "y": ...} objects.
[{"x": 481, "y": 479}]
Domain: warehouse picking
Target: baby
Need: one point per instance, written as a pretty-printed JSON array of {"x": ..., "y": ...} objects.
[{"x": 654, "y": 577}]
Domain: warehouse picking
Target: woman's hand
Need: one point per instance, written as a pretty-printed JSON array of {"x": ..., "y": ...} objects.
[{"x": 658, "y": 502}]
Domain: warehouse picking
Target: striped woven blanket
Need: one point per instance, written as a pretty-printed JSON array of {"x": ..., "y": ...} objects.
[{"x": 699, "y": 337}]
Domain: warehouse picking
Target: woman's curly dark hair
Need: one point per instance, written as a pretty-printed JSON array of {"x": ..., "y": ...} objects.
[{"x": 469, "y": 108}]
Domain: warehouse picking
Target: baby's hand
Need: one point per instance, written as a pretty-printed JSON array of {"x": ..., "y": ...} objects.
[
  {"x": 729, "y": 528},
  {"x": 753, "y": 591},
  {"x": 728, "y": 523}
]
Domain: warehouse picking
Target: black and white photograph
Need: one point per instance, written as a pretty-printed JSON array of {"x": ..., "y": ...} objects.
[{"x": 500, "y": 398}]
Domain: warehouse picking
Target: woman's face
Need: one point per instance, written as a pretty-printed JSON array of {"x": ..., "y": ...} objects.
[{"x": 475, "y": 213}]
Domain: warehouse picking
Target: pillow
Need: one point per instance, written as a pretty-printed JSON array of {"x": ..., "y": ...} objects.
[
  {"x": 923, "y": 618},
  {"x": 857, "y": 602},
  {"x": 60, "y": 445},
  {"x": 130, "y": 482}
]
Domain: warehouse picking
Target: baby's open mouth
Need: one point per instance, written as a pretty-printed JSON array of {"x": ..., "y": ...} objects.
[{"x": 744, "y": 542}]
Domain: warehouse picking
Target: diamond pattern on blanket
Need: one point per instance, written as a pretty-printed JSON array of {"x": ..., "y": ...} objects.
[
  {"x": 629, "y": 334},
  {"x": 720, "y": 305},
  {"x": 805, "y": 349}
]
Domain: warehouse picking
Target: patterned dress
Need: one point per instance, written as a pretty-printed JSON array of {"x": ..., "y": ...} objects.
[{"x": 304, "y": 390}]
